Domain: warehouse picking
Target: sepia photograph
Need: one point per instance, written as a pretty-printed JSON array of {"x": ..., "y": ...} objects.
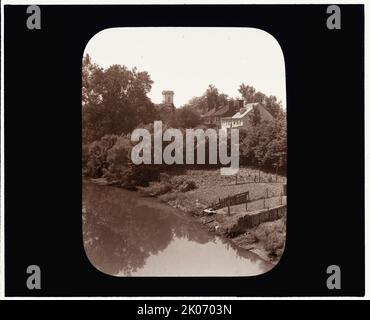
[
  {"x": 184, "y": 151},
  {"x": 155, "y": 170}
]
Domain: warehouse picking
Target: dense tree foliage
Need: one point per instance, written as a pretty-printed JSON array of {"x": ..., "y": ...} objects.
[
  {"x": 114, "y": 100},
  {"x": 95, "y": 156},
  {"x": 210, "y": 99},
  {"x": 265, "y": 145},
  {"x": 187, "y": 117},
  {"x": 271, "y": 103}
]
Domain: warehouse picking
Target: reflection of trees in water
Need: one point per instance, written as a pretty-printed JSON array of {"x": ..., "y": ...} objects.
[
  {"x": 190, "y": 230},
  {"x": 121, "y": 230}
]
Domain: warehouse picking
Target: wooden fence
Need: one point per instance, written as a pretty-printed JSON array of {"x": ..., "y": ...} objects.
[
  {"x": 232, "y": 200},
  {"x": 247, "y": 221},
  {"x": 241, "y": 198}
]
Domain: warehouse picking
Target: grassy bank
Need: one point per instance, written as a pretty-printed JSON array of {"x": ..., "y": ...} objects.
[
  {"x": 267, "y": 240},
  {"x": 195, "y": 190}
]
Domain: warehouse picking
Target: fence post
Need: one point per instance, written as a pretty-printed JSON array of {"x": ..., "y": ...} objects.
[
  {"x": 246, "y": 201},
  {"x": 276, "y": 174},
  {"x": 281, "y": 198},
  {"x": 228, "y": 205}
]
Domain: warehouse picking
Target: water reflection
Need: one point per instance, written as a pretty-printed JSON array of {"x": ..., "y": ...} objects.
[{"x": 125, "y": 234}]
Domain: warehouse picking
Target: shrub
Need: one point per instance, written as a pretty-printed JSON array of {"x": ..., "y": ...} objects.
[
  {"x": 181, "y": 183},
  {"x": 272, "y": 235},
  {"x": 122, "y": 172},
  {"x": 118, "y": 160},
  {"x": 156, "y": 189},
  {"x": 175, "y": 185},
  {"x": 187, "y": 186},
  {"x": 95, "y": 155}
]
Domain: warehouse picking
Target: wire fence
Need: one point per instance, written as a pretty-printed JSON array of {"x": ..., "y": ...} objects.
[{"x": 244, "y": 198}]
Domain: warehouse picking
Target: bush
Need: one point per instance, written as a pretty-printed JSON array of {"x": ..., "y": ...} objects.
[
  {"x": 95, "y": 156},
  {"x": 187, "y": 186},
  {"x": 118, "y": 160},
  {"x": 272, "y": 235},
  {"x": 181, "y": 183},
  {"x": 156, "y": 189},
  {"x": 175, "y": 185},
  {"x": 122, "y": 172}
]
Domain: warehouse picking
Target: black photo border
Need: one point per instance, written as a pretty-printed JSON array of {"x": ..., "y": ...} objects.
[{"x": 43, "y": 183}]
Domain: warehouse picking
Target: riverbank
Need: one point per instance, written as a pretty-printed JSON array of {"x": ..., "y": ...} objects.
[
  {"x": 195, "y": 190},
  {"x": 126, "y": 234}
]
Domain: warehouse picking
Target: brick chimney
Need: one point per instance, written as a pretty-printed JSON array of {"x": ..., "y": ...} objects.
[
  {"x": 232, "y": 105},
  {"x": 240, "y": 103}
]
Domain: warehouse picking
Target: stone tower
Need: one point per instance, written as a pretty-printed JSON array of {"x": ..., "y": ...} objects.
[{"x": 167, "y": 97}]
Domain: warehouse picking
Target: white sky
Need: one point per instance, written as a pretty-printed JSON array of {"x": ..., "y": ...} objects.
[{"x": 187, "y": 60}]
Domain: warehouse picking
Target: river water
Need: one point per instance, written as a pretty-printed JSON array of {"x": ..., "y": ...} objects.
[{"x": 129, "y": 235}]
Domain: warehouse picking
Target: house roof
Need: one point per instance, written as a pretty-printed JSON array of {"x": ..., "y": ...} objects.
[
  {"x": 224, "y": 111},
  {"x": 248, "y": 108},
  {"x": 221, "y": 111}
]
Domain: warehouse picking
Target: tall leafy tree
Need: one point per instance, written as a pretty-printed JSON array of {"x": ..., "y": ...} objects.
[
  {"x": 210, "y": 99},
  {"x": 114, "y": 100},
  {"x": 247, "y": 92},
  {"x": 271, "y": 103},
  {"x": 186, "y": 117},
  {"x": 212, "y": 96}
]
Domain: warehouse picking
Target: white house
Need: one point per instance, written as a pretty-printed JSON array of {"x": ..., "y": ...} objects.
[{"x": 243, "y": 117}]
